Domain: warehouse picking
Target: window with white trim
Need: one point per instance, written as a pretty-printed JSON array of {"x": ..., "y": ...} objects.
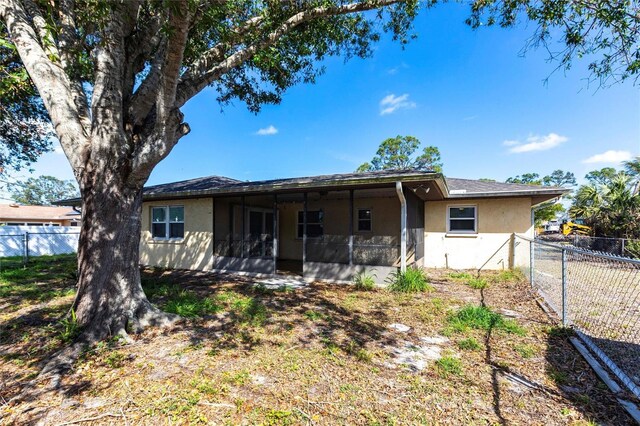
[
  {"x": 167, "y": 222},
  {"x": 364, "y": 220},
  {"x": 315, "y": 229},
  {"x": 462, "y": 219}
]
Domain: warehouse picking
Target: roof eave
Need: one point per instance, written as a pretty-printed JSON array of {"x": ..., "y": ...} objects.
[{"x": 307, "y": 186}]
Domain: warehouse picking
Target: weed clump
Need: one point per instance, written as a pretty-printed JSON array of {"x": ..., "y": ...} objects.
[
  {"x": 364, "y": 281},
  {"x": 411, "y": 281},
  {"x": 481, "y": 318},
  {"x": 477, "y": 283},
  {"x": 448, "y": 366}
]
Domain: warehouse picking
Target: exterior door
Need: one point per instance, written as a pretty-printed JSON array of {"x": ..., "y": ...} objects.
[{"x": 260, "y": 233}]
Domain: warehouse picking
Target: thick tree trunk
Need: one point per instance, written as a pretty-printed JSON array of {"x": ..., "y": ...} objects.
[{"x": 110, "y": 299}]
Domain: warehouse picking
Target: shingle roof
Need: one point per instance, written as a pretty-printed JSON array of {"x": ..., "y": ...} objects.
[
  {"x": 465, "y": 187},
  {"x": 457, "y": 188},
  {"x": 17, "y": 212},
  {"x": 197, "y": 184},
  {"x": 219, "y": 184}
]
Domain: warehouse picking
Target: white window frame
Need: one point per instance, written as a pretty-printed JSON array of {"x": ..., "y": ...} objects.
[
  {"x": 167, "y": 222},
  {"x": 462, "y": 206},
  {"x": 298, "y": 224},
  {"x": 358, "y": 219}
]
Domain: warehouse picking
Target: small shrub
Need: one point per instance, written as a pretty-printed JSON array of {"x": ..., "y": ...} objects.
[
  {"x": 482, "y": 318},
  {"x": 412, "y": 280},
  {"x": 448, "y": 365},
  {"x": 70, "y": 328},
  {"x": 364, "y": 281},
  {"x": 469, "y": 344},
  {"x": 477, "y": 283}
]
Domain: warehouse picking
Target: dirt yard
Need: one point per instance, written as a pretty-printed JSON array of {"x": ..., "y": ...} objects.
[{"x": 324, "y": 354}]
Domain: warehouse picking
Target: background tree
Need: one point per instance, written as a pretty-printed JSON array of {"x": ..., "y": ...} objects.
[
  {"x": 611, "y": 208},
  {"x": 602, "y": 176},
  {"x": 399, "y": 154},
  {"x": 560, "y": 178},
  {"x": 526, "y": 179},
  {"x": 42, "y": 191},
  {"x": 632, "y": 168},
  {"x": 550, "y": 210}
]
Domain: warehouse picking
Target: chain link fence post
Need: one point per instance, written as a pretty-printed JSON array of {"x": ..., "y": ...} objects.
[
  {"x": 532, "y": 258},
  {"x": 25, "y": 248},
  {"x": 565, "y": 321}
]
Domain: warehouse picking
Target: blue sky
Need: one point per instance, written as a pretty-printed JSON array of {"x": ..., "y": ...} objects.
[{"x": 470, "y": 93}]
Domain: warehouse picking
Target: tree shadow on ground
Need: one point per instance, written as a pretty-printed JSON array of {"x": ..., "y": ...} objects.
[{"x": 245, "y": 305}]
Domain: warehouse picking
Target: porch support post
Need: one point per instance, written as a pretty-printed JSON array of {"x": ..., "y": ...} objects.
[
  {"x": 213, "y": 232},
  {"x": 403, "y": 227},
  {"x": 304, "y": 233},
  {"x": 274, "y": 249},
  {"x": 350, "y": 227},
  {"x": 244, "y": 218}
]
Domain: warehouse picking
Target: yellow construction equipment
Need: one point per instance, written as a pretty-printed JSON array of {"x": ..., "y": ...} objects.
[{"x": 570, "y": 228}]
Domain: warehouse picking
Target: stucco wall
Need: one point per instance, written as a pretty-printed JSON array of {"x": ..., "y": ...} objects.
[
  {"x": 490, "y": 247},
  {"x": 194, "y": 251}
]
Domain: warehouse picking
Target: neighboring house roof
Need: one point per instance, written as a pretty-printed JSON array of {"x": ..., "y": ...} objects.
[
  {"x": 447, "y": 188},
  {"x": 15, "y": 212}
]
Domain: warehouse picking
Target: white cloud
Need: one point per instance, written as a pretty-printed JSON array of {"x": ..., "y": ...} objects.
[
  {"x": 270, "y": 130},
  {"x": 391, "y": 103},
  {"x": 535, "y": 143},
  {"x": 611, "y": 156}
]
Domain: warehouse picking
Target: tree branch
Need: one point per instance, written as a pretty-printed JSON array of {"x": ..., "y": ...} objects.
[
  {"x": 50, "y": 80},
  {"x": 209, "y": 68},
  {"x": 68, "y": 47}
]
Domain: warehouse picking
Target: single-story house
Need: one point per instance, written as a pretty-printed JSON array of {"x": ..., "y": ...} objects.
[
  {"x": 331, "y": 227},
  {"x": 17, "y": 215}
]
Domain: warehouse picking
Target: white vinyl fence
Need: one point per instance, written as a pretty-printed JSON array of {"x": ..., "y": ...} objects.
[{"x": 28, "y": 241}]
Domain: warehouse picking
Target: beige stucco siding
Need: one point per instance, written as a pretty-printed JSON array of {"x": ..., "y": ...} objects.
[
  {"x": 490, "y": 248},
  {"x": 194, "y": 251}
]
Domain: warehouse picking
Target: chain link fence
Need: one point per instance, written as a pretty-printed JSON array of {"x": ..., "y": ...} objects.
[
  {"x": 596, "y": 294},
  {"x": 19, "y": 243}
]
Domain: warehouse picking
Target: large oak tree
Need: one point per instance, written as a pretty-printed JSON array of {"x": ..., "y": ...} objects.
[{"x": 112, "y": 76}]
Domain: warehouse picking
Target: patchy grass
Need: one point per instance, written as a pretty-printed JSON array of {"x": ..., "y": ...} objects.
[
  {"x": 411, "y": 281},
  {"x": 449, "y": 365},
  {"x": 469, "y": 344},
  {"x": 460, "y": 275},
  {"x": 320, "y": 355},
  {"x": 477, "y": 283},
  {"x": 481, "y": 318}
]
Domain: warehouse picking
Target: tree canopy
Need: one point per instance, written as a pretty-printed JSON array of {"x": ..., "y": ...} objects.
[
  {"x": 42, "y": 191},
  {"x": 399, "y": 153},
  {"x": 550, "y": 210},
  {"x": 611, "y": 207}
]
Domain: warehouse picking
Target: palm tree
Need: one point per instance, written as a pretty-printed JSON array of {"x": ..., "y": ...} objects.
[
  {"x": 632, "y": 167},
  {"x": 611, "y": 209}
]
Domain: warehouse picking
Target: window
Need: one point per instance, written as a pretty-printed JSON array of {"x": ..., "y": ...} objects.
[
  {"x": 364, "y": 220},
  {"x": 314, "y": 224},
  {"x": 461, "y": 219},
  {"x": 167, "y": 222}
]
